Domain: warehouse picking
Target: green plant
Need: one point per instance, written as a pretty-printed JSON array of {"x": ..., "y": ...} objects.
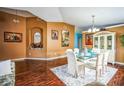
[{"x": 122, "y": 40}]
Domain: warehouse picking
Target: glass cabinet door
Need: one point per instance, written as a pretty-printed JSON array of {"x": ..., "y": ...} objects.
[
  {"x": 95, "y": 42},
  {"x": 109, "y": 42},
  {"x": 102, "y": 42}
]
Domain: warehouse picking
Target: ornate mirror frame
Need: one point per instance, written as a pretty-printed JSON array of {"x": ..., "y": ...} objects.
[{"x": 32, "y": 35}]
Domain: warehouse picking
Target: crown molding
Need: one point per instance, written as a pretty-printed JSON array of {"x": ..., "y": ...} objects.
[{"x": 114, "y": 26}]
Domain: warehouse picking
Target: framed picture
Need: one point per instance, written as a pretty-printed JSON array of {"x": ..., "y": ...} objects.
[
  {"x": 54, "y": 35},
  {"x": 12, "y": 37},
  {"x": 89, "y": 39},
  {"x": 65, "y": 38}
]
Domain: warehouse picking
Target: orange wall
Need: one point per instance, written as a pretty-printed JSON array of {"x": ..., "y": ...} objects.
[
  {"x": 31, "y": 23},
  {"x": 8, "y": 49},
  {"x": 54, "y": 46},
  {"x": 119, "y": 49},
  {"x": 19, "y": 50}
]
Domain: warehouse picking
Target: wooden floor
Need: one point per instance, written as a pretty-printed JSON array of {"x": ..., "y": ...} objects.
[{"x": 37, "y": 73}]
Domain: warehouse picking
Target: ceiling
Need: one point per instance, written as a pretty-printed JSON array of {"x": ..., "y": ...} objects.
[
  {"x": 20, "y": 12},
  {"x": 79, "y": 16}
]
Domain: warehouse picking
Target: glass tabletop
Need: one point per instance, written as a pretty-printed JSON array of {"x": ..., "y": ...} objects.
[{"x": 81, "y": 57}]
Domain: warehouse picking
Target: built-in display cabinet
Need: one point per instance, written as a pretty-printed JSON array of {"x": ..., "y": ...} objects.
[{"x": 105, "y": 40}]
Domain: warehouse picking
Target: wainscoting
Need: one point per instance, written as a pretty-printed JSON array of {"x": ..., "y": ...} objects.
[{"x": 37, "y": 73}]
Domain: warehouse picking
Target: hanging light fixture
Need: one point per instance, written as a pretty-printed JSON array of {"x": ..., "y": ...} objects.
[
  {"x": 93, "y": 29},
  {"x": 16, "y": 20}
]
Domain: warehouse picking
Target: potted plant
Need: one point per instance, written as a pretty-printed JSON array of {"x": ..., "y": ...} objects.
[{"x": 122, "y": 40}]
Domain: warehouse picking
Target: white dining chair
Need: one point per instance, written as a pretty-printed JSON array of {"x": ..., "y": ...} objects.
[
  {"x": 96, "y": 65},
  {"x": 76, "y": 50},
  {"x": 75, "y": 68},
  {"x": 69, "y": 50},
  {"x": 105, "y": 60}
]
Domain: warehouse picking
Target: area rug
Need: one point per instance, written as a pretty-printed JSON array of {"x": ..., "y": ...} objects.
[{"x": 62, "y": 73}]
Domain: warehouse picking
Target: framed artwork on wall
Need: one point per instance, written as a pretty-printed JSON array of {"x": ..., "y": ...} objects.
[
  {"x": 89, "y": 39},
  {"x": 54, "y": 34},
  {"x": 12, "y": 37},
  {"x": 65, "y": 38}
]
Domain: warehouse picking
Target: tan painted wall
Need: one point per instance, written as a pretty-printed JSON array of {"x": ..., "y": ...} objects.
[
  {"x": 8, "y": 49},
  {"x": 119, "y": 48},
  {"x": 31, "y": 23},
  {"x": 54, "y": 46},
  {"x": 19, "y": 50}
]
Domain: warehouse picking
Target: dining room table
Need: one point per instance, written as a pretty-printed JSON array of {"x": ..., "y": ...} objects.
[{"x": 86, "y": 58}]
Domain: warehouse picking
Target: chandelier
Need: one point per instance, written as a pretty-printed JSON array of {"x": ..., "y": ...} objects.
[
  {"x": 16, "y": 20},
  {"x": 93, "y": 28}
]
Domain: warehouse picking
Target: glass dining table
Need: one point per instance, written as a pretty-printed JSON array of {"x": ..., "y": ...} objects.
[{"x": 86, "y": 58}]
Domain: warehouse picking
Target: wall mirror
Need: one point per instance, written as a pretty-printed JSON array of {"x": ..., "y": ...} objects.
[{"x": 36, "y": 38}]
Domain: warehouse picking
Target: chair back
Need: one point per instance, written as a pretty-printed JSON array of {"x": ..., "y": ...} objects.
[
  {"x": 76, "y": 50},
  {"x": 106, "y": 56},
  {"x": 68, "y": 50},
  {"x": 71, "y": 62},
  {"x": 99, "y": 59}
]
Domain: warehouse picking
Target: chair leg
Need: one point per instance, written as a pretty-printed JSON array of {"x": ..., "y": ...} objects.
[
  {"x": 105, "y": 68},
  {"x": 97, "y": 75},
  {"x": 83, "y": 71},
  {"x": 75, "y": 75},
  {"x": 100, "y": 72}
]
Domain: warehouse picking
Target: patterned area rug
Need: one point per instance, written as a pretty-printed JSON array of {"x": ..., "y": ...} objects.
[{"x": 69, "y": 80}]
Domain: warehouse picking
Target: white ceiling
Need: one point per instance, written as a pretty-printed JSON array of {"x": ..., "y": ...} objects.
[
  {"x": 79, "y": 16},
  {"x": 20, "y": 13}
]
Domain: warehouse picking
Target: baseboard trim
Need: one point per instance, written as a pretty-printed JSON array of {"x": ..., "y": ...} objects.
[
  {"x": 45, "y": 59},
  {"x": 52, "y": 58},
  {"x": 119, "y": 63},
  {"x": 18, "y": 59}
]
